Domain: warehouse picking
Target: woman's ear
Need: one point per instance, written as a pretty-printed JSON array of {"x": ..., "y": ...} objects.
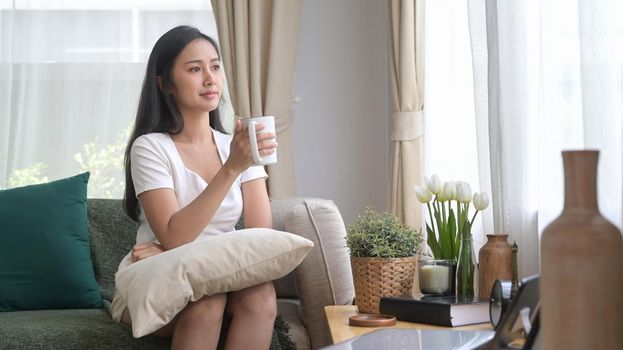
[{"x": 159, "y": 83}]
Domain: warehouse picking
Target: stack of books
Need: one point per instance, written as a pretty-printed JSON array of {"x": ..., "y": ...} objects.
[{"x": 447, "y": 311}]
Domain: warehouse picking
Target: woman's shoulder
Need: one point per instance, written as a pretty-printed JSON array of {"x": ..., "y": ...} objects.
[
  {"x": 152, "y": 138},
  {"x": 156, "y": 140}
]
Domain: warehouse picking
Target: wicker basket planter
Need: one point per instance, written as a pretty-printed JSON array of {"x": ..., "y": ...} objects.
[{"x": 377, "y": 277}]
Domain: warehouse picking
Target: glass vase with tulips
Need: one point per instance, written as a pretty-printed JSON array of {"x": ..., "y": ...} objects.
[{"x": 449, "y": 229}]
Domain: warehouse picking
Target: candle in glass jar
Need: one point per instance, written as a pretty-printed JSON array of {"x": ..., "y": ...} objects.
[{"x": 434, "y": 279}]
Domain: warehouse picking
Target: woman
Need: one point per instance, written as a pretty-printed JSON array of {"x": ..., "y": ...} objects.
[{"x": 187, "y": 179}]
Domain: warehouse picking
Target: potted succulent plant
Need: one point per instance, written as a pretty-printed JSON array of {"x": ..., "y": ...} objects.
[{"x": 383, "y": 257}]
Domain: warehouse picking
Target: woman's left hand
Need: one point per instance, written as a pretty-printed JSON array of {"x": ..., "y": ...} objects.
[{"x": 145, "y": 250}]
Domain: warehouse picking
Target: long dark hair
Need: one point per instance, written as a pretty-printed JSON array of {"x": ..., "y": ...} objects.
[{"x": 157, "y": 111}]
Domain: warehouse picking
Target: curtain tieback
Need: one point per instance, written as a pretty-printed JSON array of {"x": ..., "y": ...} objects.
[{"x": 406, "y": 126}]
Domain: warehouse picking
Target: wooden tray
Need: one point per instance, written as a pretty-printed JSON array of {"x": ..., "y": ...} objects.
[{"x": 372, "y": 320}]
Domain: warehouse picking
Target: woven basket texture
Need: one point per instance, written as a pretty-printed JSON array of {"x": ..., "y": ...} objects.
[{"x": 378, "y": 277}]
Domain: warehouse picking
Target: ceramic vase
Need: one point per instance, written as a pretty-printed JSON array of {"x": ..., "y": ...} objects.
[
  {"x": 494, "y": 262},
  {"x": 581, "y": 267}
]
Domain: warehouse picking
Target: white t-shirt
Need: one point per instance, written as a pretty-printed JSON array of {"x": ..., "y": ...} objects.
[{"x": 155, "y": 163}]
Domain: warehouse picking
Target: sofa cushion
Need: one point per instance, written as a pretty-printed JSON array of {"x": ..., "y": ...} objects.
[
  {"x": 45, "y": 259},
  {"x": 70, "y": 329},
  {"x": 113, "y": 234},
  {"x": 157, "y": 288},
  {"x": 91, "y": 329},
  {"x": 285, "y": 287},
  {"x": 321, "y": 222}
]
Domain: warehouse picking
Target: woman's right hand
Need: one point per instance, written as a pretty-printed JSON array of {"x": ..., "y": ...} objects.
[
  {"x": 240, "y": 153},
  {"x": 145, "y": 250}
]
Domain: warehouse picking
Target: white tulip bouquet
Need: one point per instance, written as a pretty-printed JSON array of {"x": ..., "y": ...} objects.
[{"x": 448, "y": 223}]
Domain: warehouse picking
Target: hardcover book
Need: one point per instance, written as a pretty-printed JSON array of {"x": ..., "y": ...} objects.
[{"x": 447, "y": 311}]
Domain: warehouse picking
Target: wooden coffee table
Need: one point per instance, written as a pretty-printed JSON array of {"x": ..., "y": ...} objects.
[{"x": 337, "y": 317}]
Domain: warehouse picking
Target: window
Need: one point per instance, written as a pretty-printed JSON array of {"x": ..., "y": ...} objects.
[{"x": 70, "y": 78}]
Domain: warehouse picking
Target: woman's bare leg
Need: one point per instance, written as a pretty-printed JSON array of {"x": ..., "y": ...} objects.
[
  {"x": 253, "y": 311},
  {"x": 197, "y": 326}
]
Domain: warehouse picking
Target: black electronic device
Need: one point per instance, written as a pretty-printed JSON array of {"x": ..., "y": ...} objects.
[
  {"x": 499, "y": 301},
  {"x": 519, "y": 324}
]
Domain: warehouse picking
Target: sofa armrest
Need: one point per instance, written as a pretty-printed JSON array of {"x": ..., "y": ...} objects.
[
  {"x": 285, "y": 286},
  {"x": 324, "y": 277}
]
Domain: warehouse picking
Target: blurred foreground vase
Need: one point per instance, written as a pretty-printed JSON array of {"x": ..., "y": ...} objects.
[
  {"x": 494, "y": 262},
  {"x": 581, "y": 267}
]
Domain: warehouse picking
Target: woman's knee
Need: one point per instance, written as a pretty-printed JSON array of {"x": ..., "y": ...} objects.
[
  {"x": 259, "y": 299},
  {"x": 208, "y": 309}
]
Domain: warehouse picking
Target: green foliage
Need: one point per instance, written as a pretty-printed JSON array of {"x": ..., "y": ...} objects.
[
  {"x": 105, "y": 162},
  {"x": 28, "y": 176},
  {"x": 381, "y": 235},
  {"x": 281, "y": 336}
]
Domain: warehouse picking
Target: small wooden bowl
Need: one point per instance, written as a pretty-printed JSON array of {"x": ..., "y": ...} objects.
[{"x": 372, "y": 320}]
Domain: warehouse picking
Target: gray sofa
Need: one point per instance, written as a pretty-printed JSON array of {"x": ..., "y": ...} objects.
[{"x": 323, "y": 278}]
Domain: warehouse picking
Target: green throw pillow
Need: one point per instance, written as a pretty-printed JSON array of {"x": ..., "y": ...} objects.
[{"x": 45, "y": 258}]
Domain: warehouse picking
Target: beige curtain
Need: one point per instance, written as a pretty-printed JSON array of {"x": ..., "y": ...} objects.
[
  {"x": 258, "y": 42},
  {"x": 406, "y": 58}
]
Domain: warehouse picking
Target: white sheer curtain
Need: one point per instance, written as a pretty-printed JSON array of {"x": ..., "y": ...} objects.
[
  {"x": 548, "y": 76},
  {"x": 539, "y": 77},
  {"x": 70, "y": 76},
  {"x": 450, "y": 142}
]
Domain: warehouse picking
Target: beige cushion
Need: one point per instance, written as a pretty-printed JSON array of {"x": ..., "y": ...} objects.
[
  {"x": 157, "y": 288},
  {"x": 325, "y": 277},
  {"x": 284, "y": 287}
]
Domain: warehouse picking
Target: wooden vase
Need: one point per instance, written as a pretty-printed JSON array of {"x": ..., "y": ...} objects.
[
  {"x": 581, "y": 267},
  {"x": 494, "y": 261}
]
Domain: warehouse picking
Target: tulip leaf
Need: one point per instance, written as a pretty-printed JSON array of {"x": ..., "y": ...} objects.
[
  {"x": 440, "y": 225},
  {"x": 432, "y": 242},
  {"x": 454, "y": 249},
  {"x": 444, "y": 244},
  {"x": 467, "y": 228},
  {"x": 459, "y": 234},
  {"x": 460, "y": 221},
  {"x": 457, "y": 244}
]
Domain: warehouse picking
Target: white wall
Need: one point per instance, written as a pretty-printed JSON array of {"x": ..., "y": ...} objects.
[{"x": 341, "y": 138}]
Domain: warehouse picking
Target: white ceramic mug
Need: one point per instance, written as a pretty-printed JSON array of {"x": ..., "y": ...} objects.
[{"x": 269, "y": 126}]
